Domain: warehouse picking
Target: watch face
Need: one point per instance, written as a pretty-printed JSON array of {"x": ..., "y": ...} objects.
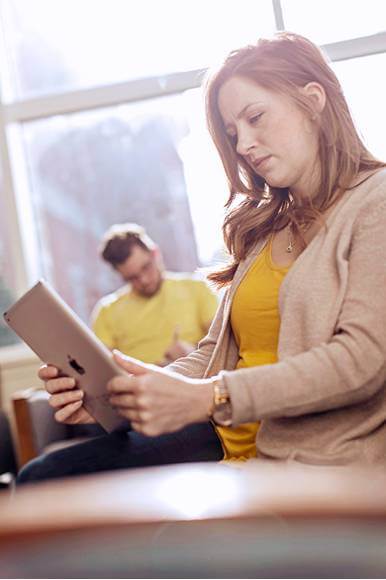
[{"x": 223, "y": 414}]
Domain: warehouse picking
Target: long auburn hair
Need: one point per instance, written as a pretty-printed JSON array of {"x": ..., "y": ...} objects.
[{"x": 283, "y": 64}]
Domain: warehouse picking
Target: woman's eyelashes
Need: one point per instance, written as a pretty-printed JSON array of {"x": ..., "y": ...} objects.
[{"x": 254, "y": 119}]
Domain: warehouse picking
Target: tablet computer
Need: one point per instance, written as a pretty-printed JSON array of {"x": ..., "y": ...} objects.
[{"x": 58, "y": 336}]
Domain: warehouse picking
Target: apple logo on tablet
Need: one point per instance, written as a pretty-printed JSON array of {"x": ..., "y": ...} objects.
[{"x": 75, "y": 365}]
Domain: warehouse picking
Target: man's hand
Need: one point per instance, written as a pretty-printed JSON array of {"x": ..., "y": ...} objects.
[
  {"x": 177, "y": 349},
  {"x": 66, "y": 398},
  {"x": 158, "y": 401}
]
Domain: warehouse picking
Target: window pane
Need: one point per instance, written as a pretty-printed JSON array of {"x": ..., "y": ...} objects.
[
  {"x": 6, "y": 274},
  {"x": 128, "y": 163},
  {"x": 67, "y": 44},
  {"x": 325, "y": 21},
  {"x": 365, "y": 90}
]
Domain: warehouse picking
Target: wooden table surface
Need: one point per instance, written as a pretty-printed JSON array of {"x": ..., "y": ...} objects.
[{"x": 193, "y": 492}]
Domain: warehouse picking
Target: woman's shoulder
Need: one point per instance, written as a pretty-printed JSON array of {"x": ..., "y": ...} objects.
[
  {"x": 371, "y": 181},
  {"x": 367, "y": 209},
  {"x": 368, "y": 191}
]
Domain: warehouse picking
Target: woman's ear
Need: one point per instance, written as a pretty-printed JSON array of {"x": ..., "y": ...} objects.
[{"x": 316, "y": 95}]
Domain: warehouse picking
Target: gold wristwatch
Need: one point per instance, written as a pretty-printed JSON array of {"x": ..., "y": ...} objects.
[{"x": 222, "y": 406}]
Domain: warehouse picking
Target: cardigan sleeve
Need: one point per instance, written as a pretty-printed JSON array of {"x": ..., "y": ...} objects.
[
  {"x": 348, "y": 369},
  {"x": 196, "y": 363}
]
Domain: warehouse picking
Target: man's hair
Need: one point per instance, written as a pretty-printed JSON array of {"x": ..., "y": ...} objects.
[{"x": 120, "y": 239}]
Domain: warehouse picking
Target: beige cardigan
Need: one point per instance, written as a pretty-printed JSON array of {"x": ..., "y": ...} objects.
[{"x": 324, "y": 401}]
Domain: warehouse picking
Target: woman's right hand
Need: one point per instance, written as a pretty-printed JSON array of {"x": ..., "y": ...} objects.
[{"x": 66, "y": 398}]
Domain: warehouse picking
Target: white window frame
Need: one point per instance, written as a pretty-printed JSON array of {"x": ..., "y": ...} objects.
[{"x": 15, "y": 183}]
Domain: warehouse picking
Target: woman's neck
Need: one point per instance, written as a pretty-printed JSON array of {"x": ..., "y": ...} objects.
[{"x": 308, "y": 185}]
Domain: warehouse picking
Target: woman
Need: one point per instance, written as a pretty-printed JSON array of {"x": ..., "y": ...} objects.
[{"x": 296, "y": 353}]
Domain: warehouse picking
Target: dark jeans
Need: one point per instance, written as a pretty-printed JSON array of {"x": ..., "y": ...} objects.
[{"x": 125, "y": 450}]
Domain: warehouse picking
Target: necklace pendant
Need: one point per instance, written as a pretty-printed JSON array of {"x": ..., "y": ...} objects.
[{"x": 289, "y": 248}]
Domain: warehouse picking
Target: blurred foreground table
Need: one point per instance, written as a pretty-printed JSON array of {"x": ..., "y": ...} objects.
[{"x": 199, "y": 521}]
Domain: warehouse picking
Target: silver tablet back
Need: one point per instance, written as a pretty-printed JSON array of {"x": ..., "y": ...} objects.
[{"x": 59, "y": 337}]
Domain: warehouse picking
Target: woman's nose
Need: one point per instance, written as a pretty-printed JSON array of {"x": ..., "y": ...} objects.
[{"x": 245, "y": 142}]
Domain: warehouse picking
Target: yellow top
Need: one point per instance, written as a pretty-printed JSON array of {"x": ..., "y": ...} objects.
[
  {"x": 255, "y": 323},
  {"x": 144, "y": 327}
]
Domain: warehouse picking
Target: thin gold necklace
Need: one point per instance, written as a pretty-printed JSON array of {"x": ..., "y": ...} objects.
[
  {"x": 291, "y": 241},
  {"x": 290, "y": 237}
]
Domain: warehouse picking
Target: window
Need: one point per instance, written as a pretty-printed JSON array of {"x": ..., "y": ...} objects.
[
  {"x": 123, "y": 164},
  {"x": 68, "y": 44},
  {"x": 326, "y": 21},
  {"x": 103, "y": 122},
  {"x": 365, "y": 90},
  {"x": 7, "y": 282},
  {"x": 6, "y": 269}
]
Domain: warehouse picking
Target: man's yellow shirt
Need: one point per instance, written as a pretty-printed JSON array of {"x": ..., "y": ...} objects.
[{"x": 144, "y": 327}]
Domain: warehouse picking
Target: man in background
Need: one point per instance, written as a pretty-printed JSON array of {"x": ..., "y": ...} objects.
[{"x": 157, "y": 316}]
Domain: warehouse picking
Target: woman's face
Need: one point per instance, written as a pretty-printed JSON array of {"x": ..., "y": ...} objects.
[{"x": 275, "y": 137}]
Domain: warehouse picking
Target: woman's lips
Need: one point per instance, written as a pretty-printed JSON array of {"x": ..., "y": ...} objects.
[{"x": 261, "y": 161}]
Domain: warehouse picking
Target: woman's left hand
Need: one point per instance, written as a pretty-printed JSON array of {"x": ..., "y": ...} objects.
[{"x": 156, "y": 400}]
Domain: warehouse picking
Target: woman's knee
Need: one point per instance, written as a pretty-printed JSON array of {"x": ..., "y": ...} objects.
[
  {"x": 35, "y": 470},
  {"x": 91, "y": 456}
]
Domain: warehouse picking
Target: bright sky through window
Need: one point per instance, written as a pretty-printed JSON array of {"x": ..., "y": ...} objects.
[
  {"x": 104, "y": 41},
  {"x": 327, "y": 21}
]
